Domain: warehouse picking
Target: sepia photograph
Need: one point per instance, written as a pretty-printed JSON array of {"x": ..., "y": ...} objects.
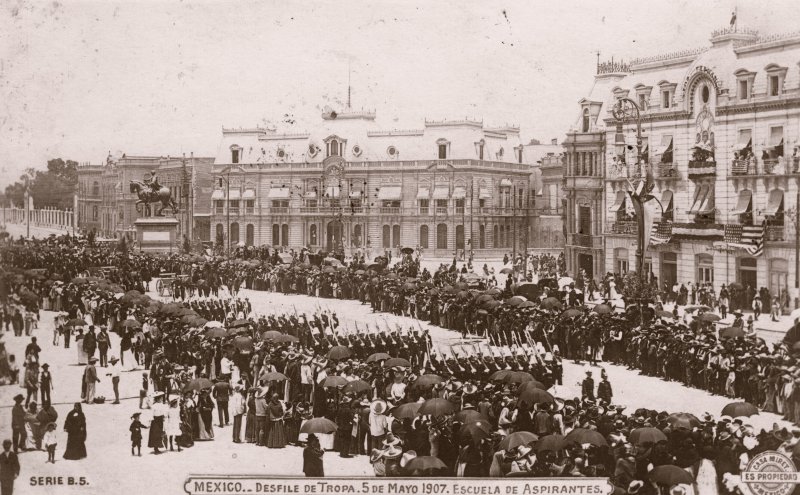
[{"x": 400, "y": 247}]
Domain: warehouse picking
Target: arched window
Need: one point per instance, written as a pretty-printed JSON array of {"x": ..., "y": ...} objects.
[
  {"x": 312, "y": 234},
  {"x": 234, "y": 233},
  {"x": 705, "y": 269},
  {"x": 250, "y": 234},
  {"x": 459, "y": 237},
  {"x": 285, "y": 234},
  {"x": 441, "y": 236},
  {"x": 395, "y": 235},
  {"x": 387, "y": 237},
  {"x": 356, "y": 240},
  {"x": 219, "y": 233},
  {"x": 333, "y": 148},
  {"x": 424, "y": 236},
  {"x": 276, "y": 234},
  {"x": 585, "y": 120},
  {"x": 95, "y": 188},
  {"x": 482, "y": 236}
]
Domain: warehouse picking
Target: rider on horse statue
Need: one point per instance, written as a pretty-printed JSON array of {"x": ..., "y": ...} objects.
[{"x": 152, "y": 181}]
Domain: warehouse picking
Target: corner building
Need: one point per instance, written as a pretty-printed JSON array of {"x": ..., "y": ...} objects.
[{"x": 721, "y": 127}]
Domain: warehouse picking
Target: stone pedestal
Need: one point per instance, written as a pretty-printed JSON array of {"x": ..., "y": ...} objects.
[{"x": 157, "y": 234}]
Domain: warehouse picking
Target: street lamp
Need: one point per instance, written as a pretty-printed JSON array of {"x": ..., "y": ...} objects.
[
  {"x": 626, "y": 109},
  {"x": 227, "y": 180}
]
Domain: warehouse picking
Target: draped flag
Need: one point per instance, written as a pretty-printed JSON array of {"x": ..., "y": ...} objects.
[
  {"x": 747, "y": 237},
  {"x": 649, "y": 212},
  {"x": 660, "y": 233}
]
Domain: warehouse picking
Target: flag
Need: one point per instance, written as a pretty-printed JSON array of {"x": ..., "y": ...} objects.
[
  {"x": 698, "y": 232},
  {"x": 733, "y": 19},
  {"x": 750, "y": 238},
  {"x": 648, "y": 211},
  {"x": 660, "y": 233}
]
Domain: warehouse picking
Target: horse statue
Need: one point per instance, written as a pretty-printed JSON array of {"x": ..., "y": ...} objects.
[{"x": 148, "y": 196}]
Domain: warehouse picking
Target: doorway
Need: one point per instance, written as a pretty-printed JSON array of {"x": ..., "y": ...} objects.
[
  {"x": 669, "y": 269},
  {"x": 334, "y": 233},
  {"x": 586, "y": 263}
]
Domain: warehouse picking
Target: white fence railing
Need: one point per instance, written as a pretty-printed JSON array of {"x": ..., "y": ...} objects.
[{"x": 44, "y": 217}]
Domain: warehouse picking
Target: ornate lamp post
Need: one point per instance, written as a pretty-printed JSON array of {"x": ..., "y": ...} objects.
[{"x": 641, "y": 186}]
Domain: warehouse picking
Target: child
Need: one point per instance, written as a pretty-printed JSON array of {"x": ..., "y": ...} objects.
[
  {"x": 143, "y": 393},
  {"x": 50, "y": 441},
  {"x": 136, "y": 433}
]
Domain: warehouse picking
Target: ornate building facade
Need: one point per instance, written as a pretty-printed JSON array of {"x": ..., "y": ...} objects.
[
  {"x": 348, "y": 184},
  {"x": 721, "y": 130}
]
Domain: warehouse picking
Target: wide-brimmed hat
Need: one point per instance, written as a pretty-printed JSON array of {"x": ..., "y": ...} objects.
[
  {"x": 19, "y": 398},
  {"x": 523, "y": 450},
  {"x": 635, "y": 487},
  {"x": 391, "y": 440},
  {"x": 378, "y": 406},
  {"x": 376, "y": 455},
  {"x": 407, "y": 457},
  {"x": 470, "y": 388},
  {"x": 781, "y": 434},
  {"x": 92, "y": 360},
  {"x": 724, "y": 435},
  {"x": 393, "y": 452},
  {"x": 262, "y": 392},
  {"x": 113, "y": 359}
]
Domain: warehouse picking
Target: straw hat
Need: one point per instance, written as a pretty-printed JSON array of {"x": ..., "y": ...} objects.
[
  {"x": 407, "y": 457},
  {"x": 378, "y": 406}
]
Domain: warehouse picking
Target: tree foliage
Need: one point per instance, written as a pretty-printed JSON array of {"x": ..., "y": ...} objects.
[
  {"x": 637, "y": 289},
  {"x": 51, "y": 188}
]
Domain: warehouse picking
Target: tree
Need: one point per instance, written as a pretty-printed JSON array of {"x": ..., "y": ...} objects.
[
  {"x": 54, "y": 187},
  {"x": 636, "y": 289}
]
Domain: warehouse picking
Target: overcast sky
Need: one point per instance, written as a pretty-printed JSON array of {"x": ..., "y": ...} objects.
[{"x": 80, "y": 79}]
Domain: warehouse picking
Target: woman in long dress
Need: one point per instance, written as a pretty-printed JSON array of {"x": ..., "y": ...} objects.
[
  {"x": 250, "y": 425},
  {"x": 173, "y": 426},
  {"x": 156, "y": 437},
  {"x": 82, "y": 357},
  {"x": 75, "y": 426},
  {"x": 205, "y": 417},
  {"x": 32, "y": 435},
  {"x": 277, "y": 433}
]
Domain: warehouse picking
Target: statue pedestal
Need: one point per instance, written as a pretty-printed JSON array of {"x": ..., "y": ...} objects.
[{"x": 157, "y": 234}]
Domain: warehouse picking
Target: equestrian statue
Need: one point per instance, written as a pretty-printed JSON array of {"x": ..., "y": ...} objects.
[{"x": 150, "y": 191}]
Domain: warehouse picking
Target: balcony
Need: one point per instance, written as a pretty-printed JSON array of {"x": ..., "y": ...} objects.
[
  {"x": 441, "y": 210},
  {"x": 459, "y": 210},
  {"x": 701, "y": 169},
  {"x": 622, "y": 227},
  {"x": 745, "y": 166},
  {"x": 233, "y": 211},
  {"x": 279, "y": 210},
  {"x": 425, "y": 211},
  {"x": 666, "y": 171},
  {"x": 390, "y": 210},
  {"x": 587, "y": 241},
  {"x": 775, "y": 233}
]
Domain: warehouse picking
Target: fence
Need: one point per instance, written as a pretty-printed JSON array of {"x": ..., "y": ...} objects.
[{"x": 42, "y": 218}]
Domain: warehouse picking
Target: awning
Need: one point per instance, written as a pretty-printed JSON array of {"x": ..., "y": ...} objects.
[
  {"x": 666, "y": 201},
  {"x": 708, "y": 203},
  {"x": 332, "y": 192},
  {"x": 441, "y": 192},
  {"x": 619, "y": 202},
  {"x": 423, "y": 193},
  {"x": 249, "y": 194},
  {"x": 235, "y": 194},
  {"x": 218, "y": 194},
  {"x": 391, "y": 193},
  {"x": 744, "y": 203},
  {"x": 775, "y": 202},
  {"x": 279, "y": 193},
  {"x": 666, "y": 145},
  {"x": 505, "y": 183},
  {"x": 745, "y": 140},
  {"x": 484, "y": 193},
  {"x": 699, "y": 198},
  {"x": 459, "y": 193}
]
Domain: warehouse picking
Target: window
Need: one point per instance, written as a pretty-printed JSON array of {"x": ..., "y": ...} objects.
[
  {"x": 482, "y": 236},
  {"x": 500, "y": 152},
  {"x": 387, "y": 237},
  {"x": 459, "y": 237},
  {"x": 219, "y": 206},
  {"x": 285, "y": 234},
  {"x": 460, "y": 206},
  {"x": 281, "y": 153},
  {"x": 480, "y": 150},
  {"x": 234, "y": 233},
  {"x": 642, "y": 102},
  {"x": 312, "y": 150},
  {"x": 276, "y": 234},
  {"x": 250, "y": 206},
  {"x": 744, "y": 87},
  {"x": 705, "y": 94},
  {"x": 584, "y": 220},
  {"x": 312, "y": 234},
  {"x": 280, "y": 203},
  {"x": 357, "y": 150},
  {"x": 496, "y": 236},
  {"x": 775, "y": 145},
  {"x": 333, "y": 148},
  {"x": 235, "y": 155},
  {"x": 395, "y": 235},
  {"x": 585, "y": 120},
  {"x": 705, "y": 269},
  {"x": 441, "y": 236},
  {"x": 442, "y": 151},
  {"x": 666, "y": 99},
  {"x": 391, "y": 151},
  {"x": 441, "y": 206},
  {"x": 234, "y": 206},
  {"x": 424, "y": 206},
  {"x": 520, "y": 198},
  {"x": 481, "y": 203},
  {"x": 95, "y": 188},
  {"x": 776, "y": 75},
  {"x": 519, "y": 154},
  {"x": 220, "y": 234},
  {"x": 424, "y": 236},
  {"x": 774, "y": 86},
  {"x": 621, "y": 260},
  {"x": 356, "y": 239},
  {"x": 95, "y": 213},
  {"x": 250, "y": 232}
]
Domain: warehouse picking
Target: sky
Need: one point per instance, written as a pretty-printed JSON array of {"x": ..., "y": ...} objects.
[{"x": 80, "y": 79}]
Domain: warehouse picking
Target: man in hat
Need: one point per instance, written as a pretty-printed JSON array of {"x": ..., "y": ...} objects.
[
  {"x": 587, "y": 386},
  {"x": 45, "y": 384},
  {"x": 222, "y": 394},
  {"x": 604, "y": 391},
  {"x": 378, "y": 422},
  {"x": 18, "y": 423},
  {"x": 102, "y": 345},
  {"x": 9, "y": 468},
  {"x": 237, "y": 404},
  {"x": 312, "y": 458},
  {"x": 113, "y": 372},
  {"x": 90, "y": 379}
]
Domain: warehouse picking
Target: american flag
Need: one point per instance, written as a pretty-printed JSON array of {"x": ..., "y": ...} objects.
[
  {"x": 660, "y": 233},
  {"x": 747, "y": 237}
]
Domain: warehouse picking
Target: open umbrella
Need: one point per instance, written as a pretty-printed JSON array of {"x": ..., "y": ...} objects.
[
  {"x": 551, "y": 303},
  {"x": 536, "y": 396},
  {"x": 582, "y": 435},
  {"x": 671, "y": 475},
  {"x": 737, "y": 409},
  {"x": 407, "y": 250},
  {"x": 273, "y": 376},
  {"x": 731, "y": 332},
  {"x": 356, "y": 387},
  {"x": 425, "y": 463},
  {"x": 213, "y": 324},
  {"x": 198, "y": 384},
  {"x": 516, "y": 439},
  {"x": 531, "y": 384},
  {"x": 427, "y": 381},
  {"x": 641, "y": 436},
  {"x": 553, "y": 442},
  {"x": 239, "y": 323},
  {"x": 339, "y": 352},
  {"x": 76, "y": 322},
  {"x": 664, "y": 314},
  {"x": 570, "y": 313},
  {"x": 476, "y": 430},
  {"x": 518, "y": 377},
  {"x": 709, "y": 317},
  {"x": 683, "y": 420},
  {"x": 603, "y": 309},
  {"x": 243, "y": 343},
  {"x": 515, "y": 301},
  {"x": 506, "y": 271},
  {"x": 378, "y": 356},
  {"x": 437, "y": 407},
  {"x": 406, "y": 411},
  {"x": 693, "y": 308},
  {"x": 391, "y": 363},
  {"x": 215, "y": 332},
  {"x": 271, "y": 335},
  {"x": 468, "y": 416},
  {"x": 319, "y": 425},
  {"x": 499, "y": 375},
  {"x": 334, "y": 381}
]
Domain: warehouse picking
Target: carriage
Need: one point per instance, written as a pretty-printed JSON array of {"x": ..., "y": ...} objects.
[{"x": 164, "y": 284}]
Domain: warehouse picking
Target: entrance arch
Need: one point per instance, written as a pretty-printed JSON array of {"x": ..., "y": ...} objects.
[{"x": 334, "y": 231}]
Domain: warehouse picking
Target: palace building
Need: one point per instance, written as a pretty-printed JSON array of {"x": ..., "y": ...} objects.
[
  {"x": 348, "y": 184},
  {"x": 721, "y": 130}
]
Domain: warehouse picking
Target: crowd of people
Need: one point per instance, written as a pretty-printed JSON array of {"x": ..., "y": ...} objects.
[{"x": 480, "y": 408}]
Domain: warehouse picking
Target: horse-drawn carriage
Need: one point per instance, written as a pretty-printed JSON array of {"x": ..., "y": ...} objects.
[{"x": 164, "y": 284}]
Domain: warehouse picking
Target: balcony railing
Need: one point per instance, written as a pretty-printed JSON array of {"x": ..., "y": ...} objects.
[
  {"x": 279, "y": 210},
  {"x": 390, "y": 210},
  {"x": 233, "y": 211},
  {"x": 441, "y": 210},
  {"x": 582, "y": 240},
  {"x": 666, "y": 171},
  {"x": 775, "y": 233},
  {"x": 424, "y": 210},
  {"x": 459, "y": 210},
  {"x": 699, "y": 169},
  {"x": 746, "y": 166},
  {"x": 622, "y": 227}
]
